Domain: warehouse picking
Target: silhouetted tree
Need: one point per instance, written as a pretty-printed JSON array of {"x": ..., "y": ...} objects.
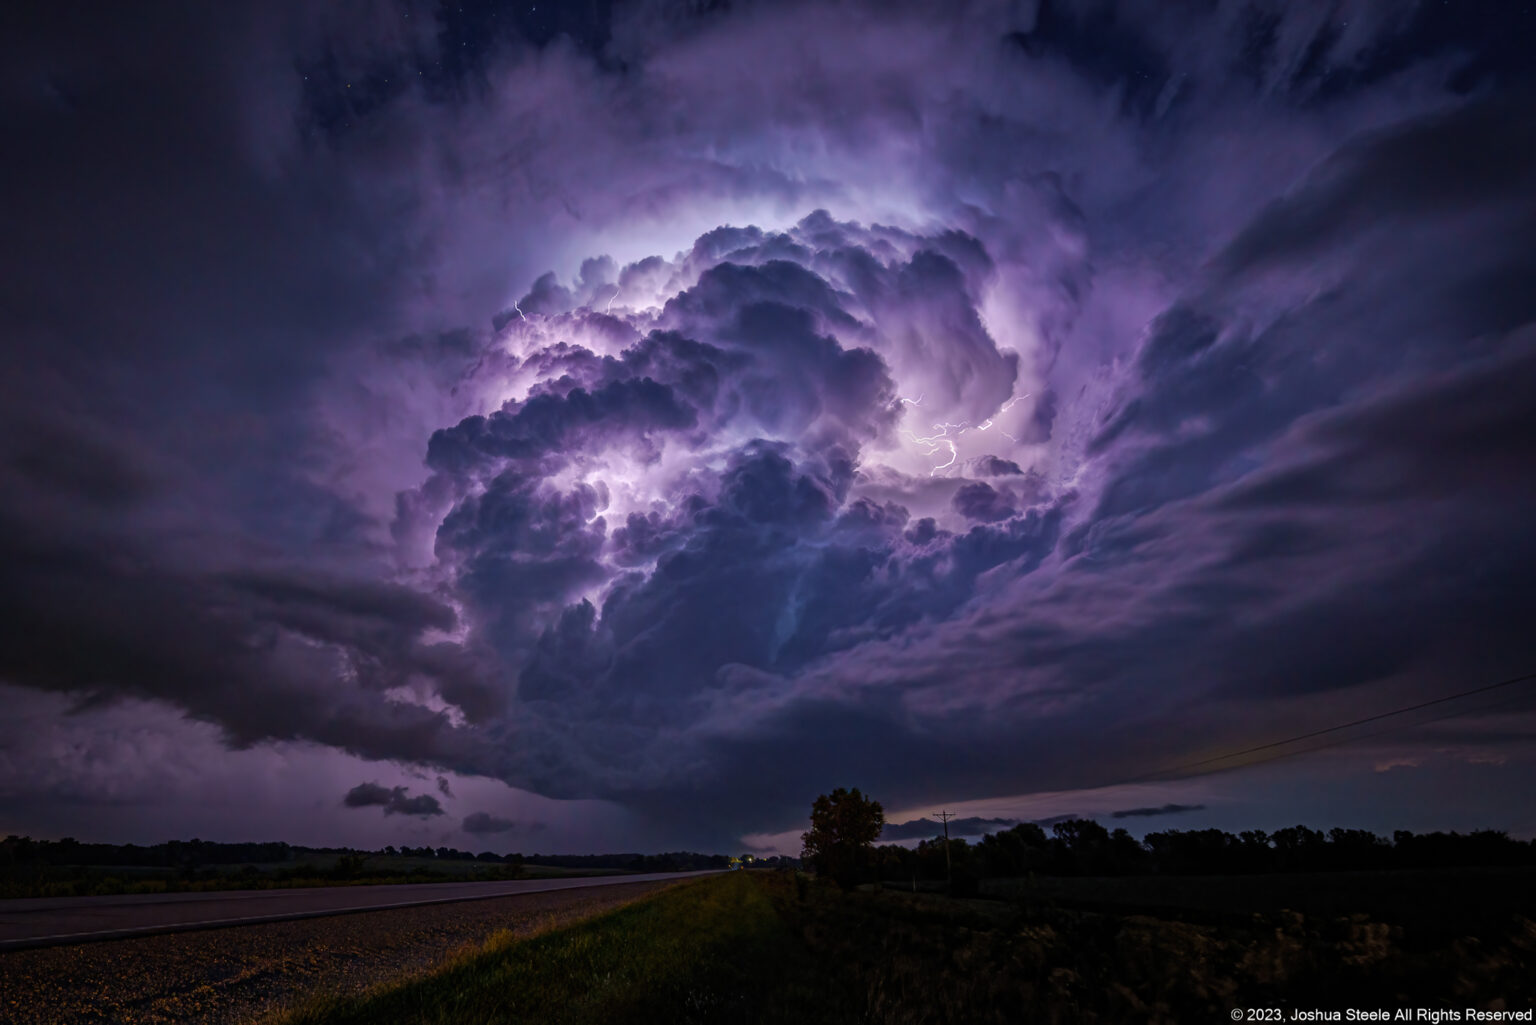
[
  {"x": 1255, "y": 853},
  {"x": 930, "y": 857},
  {"x": 1299, "y": 849},
  {"x": 1080, "y": 846},
  {"x": 1126, "y": 855},
  {"x": 844, "y": 826},
  {"x": 1014, "y": 852},
  {"x": 1357, "y": 849},
  {"x": 894, "y": 862}
]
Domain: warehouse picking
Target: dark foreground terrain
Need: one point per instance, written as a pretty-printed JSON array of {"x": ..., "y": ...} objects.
[
  {"x": 761, "y": 947},
  {"x": 775, "y": 947},
  {"x": 225, "y": 976}
]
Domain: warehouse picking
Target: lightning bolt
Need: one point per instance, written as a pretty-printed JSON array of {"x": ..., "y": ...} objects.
[
  {"x": 938, "y": 441},
  {"x": 942, "y": 438},
  {"x": 954, "y": 454},
  {"x": 519, "y": 310},
  {"x": 1005, "y": 407}
]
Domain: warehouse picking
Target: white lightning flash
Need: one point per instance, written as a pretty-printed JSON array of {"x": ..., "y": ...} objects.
[
  {"x": 945, "y": 433},
  {"x": 934, "y": 442},
  {"x": 1003, "y": 409}
]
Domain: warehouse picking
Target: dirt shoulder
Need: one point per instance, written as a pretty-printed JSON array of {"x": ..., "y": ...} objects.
[{"x": 227, "y": 976}]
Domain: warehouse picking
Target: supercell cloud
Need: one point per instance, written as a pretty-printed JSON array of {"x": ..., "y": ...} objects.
[{"x": 694, "y": 410}]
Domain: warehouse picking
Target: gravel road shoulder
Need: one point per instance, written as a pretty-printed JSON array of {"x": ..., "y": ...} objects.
[{"x": 229, "y": 976}]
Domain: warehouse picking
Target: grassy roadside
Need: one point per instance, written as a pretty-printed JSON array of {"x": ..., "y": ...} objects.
[
  {"x": 765, "y": 947},
  {"x": 715, "y": 950}
]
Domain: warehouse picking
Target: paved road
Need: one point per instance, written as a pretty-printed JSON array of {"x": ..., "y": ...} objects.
[
  {"x": 48, "y": 921},
  {"x": 239, "y": 975}
]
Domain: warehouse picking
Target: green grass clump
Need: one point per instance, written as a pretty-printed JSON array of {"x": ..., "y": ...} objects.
[
  {"x": 770, "y": 948},
  {"x": 711, "y": 951}
]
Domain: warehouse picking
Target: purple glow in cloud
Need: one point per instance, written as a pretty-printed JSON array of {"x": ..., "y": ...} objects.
[{"x": 694, "y": 410}]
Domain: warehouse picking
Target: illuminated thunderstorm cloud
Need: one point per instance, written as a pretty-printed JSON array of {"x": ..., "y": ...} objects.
[
  {"x": 701, "y": 478},
  {"x": 644, "y": 419}
]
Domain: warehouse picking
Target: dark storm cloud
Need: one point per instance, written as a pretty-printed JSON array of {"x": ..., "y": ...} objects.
[
  {"x": 177, "y": 276},
  {"x": 548, "y": 423},
  {"x": 992, "y": 466},
  {"x": 394, "y": 800},
  {"x": 760, "y": 557},
  {"x": 366, "y": 795},
  {"x": 1147, "y": 375},
  {"x": 927, "y": 829},
  {"x": 1353, "y": 523},
  {"x": 481, "y": 823},
  {"x": 1453, "y": 163},
  {"x": 1329, "y": 470},
  {"x": 263, "y": 656},
  {"x": 1146, "y": 813},
  {"x": 981, "y": 501}
]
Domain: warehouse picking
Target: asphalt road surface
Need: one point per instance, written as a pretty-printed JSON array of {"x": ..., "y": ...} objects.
[
  {"x": 47, "y": 921},
  {"x": 240, "y": 975}
]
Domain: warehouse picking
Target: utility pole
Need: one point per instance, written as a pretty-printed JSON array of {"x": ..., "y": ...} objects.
[{"x": 949, "y": 875}]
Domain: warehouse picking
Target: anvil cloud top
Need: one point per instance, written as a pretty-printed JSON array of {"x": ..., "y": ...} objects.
[{"x": 611, "y": 425}]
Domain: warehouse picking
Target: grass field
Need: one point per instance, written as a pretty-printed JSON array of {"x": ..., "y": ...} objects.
[
  {"x": 764, "y": 947},
  {"x": 712, "y": 951}
]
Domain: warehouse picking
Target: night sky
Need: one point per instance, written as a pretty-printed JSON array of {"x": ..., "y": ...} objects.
[{"x": 606, "y": 426}]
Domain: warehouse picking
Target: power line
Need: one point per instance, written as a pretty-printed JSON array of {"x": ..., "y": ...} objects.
[
  {"x": 1342, "y": 726},
  {"x": 1391, "y": 729}
]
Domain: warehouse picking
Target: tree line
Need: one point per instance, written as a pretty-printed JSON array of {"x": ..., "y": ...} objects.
[
  {"x": 193, "y": 854},
  {"x": 845, "y": 824},
  {"x": 23, "y": 850},
  {"x": 1085, "y": 847}
]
